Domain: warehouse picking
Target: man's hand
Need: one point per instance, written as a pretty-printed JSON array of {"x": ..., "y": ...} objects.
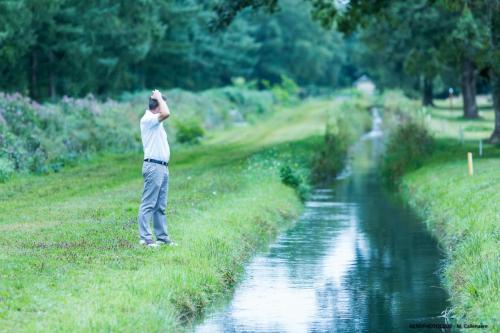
[
  {"x": 164, "y": 110},
  {"x": 157, "y": 95}
]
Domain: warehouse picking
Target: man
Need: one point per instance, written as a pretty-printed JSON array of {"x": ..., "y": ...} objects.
[{"x": 155, "y": 172}]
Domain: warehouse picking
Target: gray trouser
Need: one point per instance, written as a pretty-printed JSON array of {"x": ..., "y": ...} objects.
[{"x": 154, "y": 201}]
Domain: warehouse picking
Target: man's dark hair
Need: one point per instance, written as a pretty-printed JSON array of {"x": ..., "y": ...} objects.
[{"x": 153, "y": 103}]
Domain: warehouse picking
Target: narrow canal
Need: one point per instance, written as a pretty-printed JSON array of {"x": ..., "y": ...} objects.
[{"x": 356, "y": 261}]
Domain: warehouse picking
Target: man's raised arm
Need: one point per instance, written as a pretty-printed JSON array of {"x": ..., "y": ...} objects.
[{"x": 164, "y": 110}]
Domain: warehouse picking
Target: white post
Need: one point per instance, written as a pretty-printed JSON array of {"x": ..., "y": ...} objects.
[
  {"x": 480, "y": 148},
  {"x": 450, "y": 91},
  {"x": 469, "y": 162}
]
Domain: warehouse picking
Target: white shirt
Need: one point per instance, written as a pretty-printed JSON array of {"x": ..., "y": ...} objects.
[{"x": 154, "y": 138}]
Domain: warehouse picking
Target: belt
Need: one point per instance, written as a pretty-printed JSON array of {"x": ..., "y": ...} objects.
[{"x": 155, "y": 161}]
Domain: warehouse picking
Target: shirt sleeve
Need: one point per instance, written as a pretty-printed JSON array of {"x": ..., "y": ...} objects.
[{"x": 152, "y": 120}]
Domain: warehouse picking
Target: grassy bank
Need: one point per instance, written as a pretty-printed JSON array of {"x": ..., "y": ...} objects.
[
  {"x": 69, "y": 254},
  {"x": 462, "y": 211}
]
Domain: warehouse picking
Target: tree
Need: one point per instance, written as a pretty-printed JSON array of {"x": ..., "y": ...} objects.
[
  {"x": 67, "y": 46},
  {"x": 487, "y": 14},
  {"x": 292, "y": 44},
  {"x": 463, "y": 45},
  {"x": 494, "y": 60},
  {"x": 70, "y": 47},
  {"x": 120, "y": 35},
  {"x": 57, "y": 38},
  {"x": 411, "y": 35},
  {"x": 358, "y": 13},
  {"x": 13, "y": 49}
]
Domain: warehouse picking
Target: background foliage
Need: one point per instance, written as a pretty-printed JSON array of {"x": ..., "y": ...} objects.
[
  {"x": 38, "y": 138},
  {"x": 49, "y": 49}
]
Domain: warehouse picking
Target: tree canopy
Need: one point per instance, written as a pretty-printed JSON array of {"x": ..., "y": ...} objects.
[
  {"x": 66, "y": 47},
  {"x": 413, "y": 44}
]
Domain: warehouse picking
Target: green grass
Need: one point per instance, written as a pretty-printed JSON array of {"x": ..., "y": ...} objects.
[
  {"x": 69, "y": 254},
  {"x": 463, "y": 212},
  {"x": 447, "y": 123}
]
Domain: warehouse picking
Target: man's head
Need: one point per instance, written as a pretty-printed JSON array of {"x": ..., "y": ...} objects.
[{"x": 154, "y": 105}]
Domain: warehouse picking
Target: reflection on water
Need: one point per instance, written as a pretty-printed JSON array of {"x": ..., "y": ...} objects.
[{"x": 354, "y": 262}]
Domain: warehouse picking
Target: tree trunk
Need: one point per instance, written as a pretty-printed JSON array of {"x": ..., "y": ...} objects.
[
  {"x": 469, "y": 88},
  {"x": 142, "y": 77},
  {"x": 33, "y": 75},
  {"x": 52, "y": 88},
  {"x": 495, "y": 92},
  {"x": 495, "y": 71},
  {"x": 52, "y": 78},
  {"x": 427, "y": 92}
]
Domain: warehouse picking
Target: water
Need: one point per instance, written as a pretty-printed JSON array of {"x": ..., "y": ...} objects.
[{"x": 354, "y": 262}]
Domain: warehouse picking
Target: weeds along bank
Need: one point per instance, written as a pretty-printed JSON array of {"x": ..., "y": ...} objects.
[
  {"x": 461, "y": 211},
  {"x": 69, "y": 254},
  {"x": 41, "y": 138}
]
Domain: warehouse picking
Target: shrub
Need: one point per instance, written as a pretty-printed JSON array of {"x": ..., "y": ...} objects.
[
  {"x": 189, "y": 131},
  {"x": 215, "y": 108},
  {"x": 38, "y": 138},
  {"x": 248, "y": 102},
  {"x": 19, "y": 113},
  {"x": 288, "y": 177},
  {"x": 407, "y": 148},
  {"x": 397, "y": 103},
  {"x": 6, "y": 169},
  {"x": 329, "y": 160},
  {"x": 295, "y": 180},
  {"x": 286, "y": 92}
]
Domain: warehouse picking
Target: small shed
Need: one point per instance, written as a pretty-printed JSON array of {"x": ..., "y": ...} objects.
[{"x": 365, "y": 85}]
